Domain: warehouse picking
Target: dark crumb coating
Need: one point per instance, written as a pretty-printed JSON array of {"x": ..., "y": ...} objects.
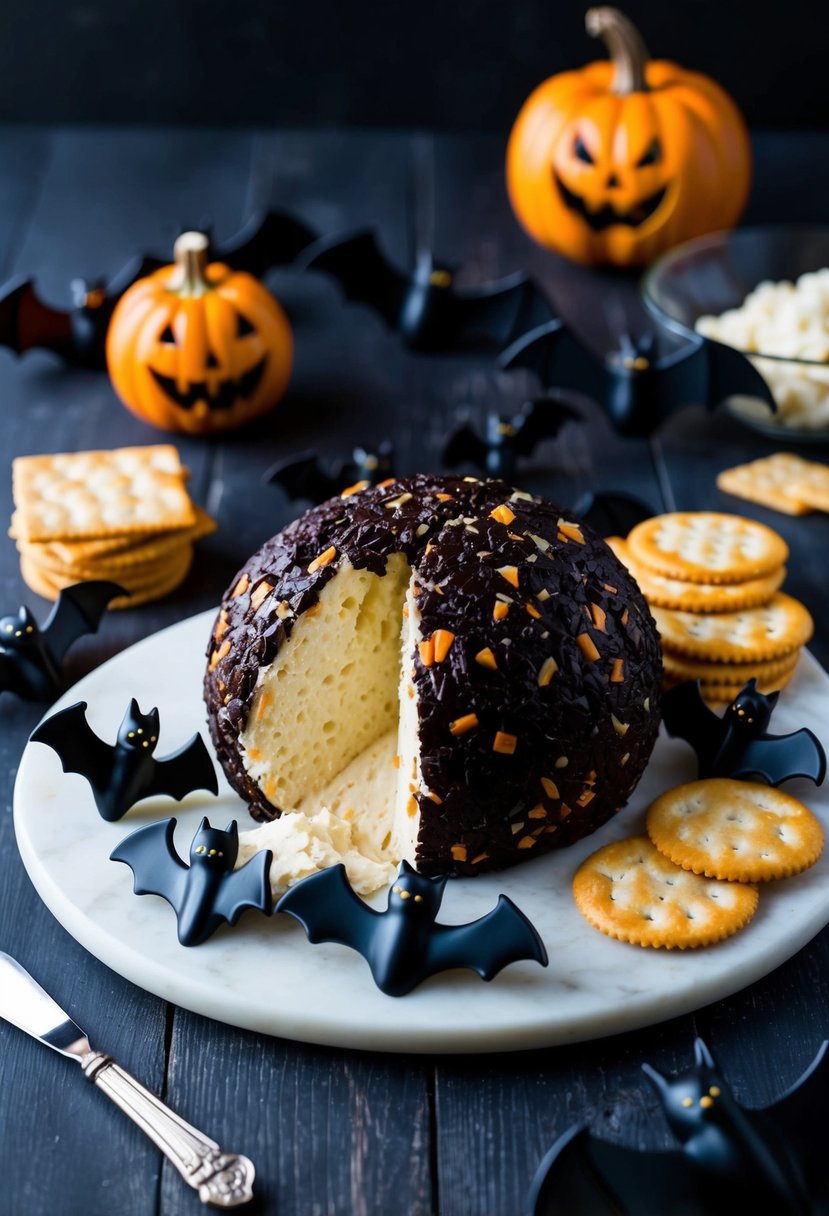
[{"x": 539, "y": 720}]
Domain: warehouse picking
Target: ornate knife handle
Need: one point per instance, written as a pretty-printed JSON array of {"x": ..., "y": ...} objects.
[{"x": 222, "y": 1179}]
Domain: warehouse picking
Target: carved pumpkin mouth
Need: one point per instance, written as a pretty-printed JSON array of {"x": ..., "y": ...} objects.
[
  {"x": 607, "y": 215},
  {"x": 227, "y": 394}
]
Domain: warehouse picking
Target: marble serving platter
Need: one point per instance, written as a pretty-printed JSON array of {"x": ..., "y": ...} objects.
[{"x": 264, "y": 975}]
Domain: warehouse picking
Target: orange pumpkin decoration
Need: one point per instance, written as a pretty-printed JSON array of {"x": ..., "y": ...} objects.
[
  {"x": 196, "y": 347},
  {"x": 621, "y": 159}
]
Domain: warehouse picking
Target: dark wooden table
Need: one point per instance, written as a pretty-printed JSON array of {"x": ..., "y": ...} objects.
[{"x": 335, "y": 1131}]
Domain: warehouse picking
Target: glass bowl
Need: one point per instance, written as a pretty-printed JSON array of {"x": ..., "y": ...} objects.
[{"x": 713, "y": 274}]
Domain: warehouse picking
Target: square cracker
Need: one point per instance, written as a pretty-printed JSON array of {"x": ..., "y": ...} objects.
[
  {"x": 87, "y": 495},
  {"x": 783, "y": 481}
]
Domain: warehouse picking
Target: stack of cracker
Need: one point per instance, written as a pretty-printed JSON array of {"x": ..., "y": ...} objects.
[
  {"x": 713, "y": 585},
  {"x": 783, "y": 481},
  {"x": 122, "y": 515}
]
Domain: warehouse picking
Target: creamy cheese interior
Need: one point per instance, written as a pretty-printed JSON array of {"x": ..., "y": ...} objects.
[{"x": 332, "y": 734}]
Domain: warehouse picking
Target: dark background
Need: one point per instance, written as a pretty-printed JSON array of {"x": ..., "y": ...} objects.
[{"x": 462, "y": 64}]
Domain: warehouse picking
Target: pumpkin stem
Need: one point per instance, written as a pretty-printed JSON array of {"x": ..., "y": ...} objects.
[
  {"x": 190, "y": 253},
  {"x": 625, "y": 46}
]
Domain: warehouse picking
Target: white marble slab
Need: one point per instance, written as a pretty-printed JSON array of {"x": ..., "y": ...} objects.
[{"x": 263, "y": 974}]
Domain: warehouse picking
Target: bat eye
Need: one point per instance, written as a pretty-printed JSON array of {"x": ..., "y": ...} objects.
[
  {"x": 131, "y": 735},
  {"x": 581, "y": 152},
  {"x": 153, "y": 738},
  {"x": 687, "y": 1101},
  {"x": 714, "y": 1091},
  {"x": 18, "y": 633},
  {"x": 397, "y": 890},
  {"x": 405, "y": 895},
  {"x": 418, "y": 899},
  {"x": 651, "y": 155},
  {"x": 10, "y": 629},
  {"x": 201, "y": 849},
  {"x": 243, "y": 326},
  {"x": 705, "y": 1101},
  {"x": 30, "y": 629},
  {"x": 168, "y": 336},
  {"x": 140, "y": 731},
  {"x": 212, "y": 853},
  {"x": 220, "y": 854}
]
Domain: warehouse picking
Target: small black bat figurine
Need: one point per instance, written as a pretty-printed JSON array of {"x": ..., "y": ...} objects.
[
  {"x": 78, "y": 334},
  {"x": 506, "y": 438},
  {"x": 424, "y": 306},
  {"x": 731, "y": 1157},
  {"x": 123, "y": 773},
  {"x": 31, "y": 657},
  {"x": 403, "y": 945},
  {"x": 306, "y": 477},
  {"x": 737, "y": 744},
  {"x": 636, "y": 389},
  {"x": 209, "y": 890}
]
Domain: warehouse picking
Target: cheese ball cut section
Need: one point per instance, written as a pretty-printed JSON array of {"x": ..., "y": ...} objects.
[{"x": 462, "y": 670}]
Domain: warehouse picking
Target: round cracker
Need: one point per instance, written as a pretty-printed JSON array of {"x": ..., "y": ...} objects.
[
  {"x": 707, "y": 547},
  {"x": 697, "y": 597},
  {"x": 630, "y": 891},
  {"x": 49, "y": 585},
  {"x": 739, "y": 831},
  {"x": 679, "y": 667},
  {"x": 748, "y": 636},
  {"x": 718, "y": 696}
]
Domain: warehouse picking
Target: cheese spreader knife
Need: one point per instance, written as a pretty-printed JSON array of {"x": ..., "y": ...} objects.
[{"x": 222, "y": 1179}]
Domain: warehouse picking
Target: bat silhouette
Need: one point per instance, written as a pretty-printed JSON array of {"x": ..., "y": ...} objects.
[
  {"x": 78, "y": 335},
  {"x": 612, "y": 514},
  {"x": 403, "y": 945},
  {"x": 636, "y": 389},
  {"x": 206, "y": 892},
  {"x": 305, "y": 476},
  {"x": 123, "y": 773},
  {"x": 505, "y": 438},
  {"x": 31, "y": 658},
  {"x": 770, "y": 1159},
  {"x": 736, "y": 744},
  {"x": 423, "y": 306}
]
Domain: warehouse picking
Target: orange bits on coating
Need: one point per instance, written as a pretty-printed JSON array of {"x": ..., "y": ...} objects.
[
  {"x": 500, "y": 611},
  {"x": 571, "y": 531},
  {"x": 262, "y": 592},
  {"x": 550, "y": 788},
  {"x": 355, "y": 489},
  {"x": 504, "y": 744},
  {"x": 598, "y": 616},
  {"x": 486, "y": 658},
  {"x": 546, "y": 672},
  {"x": 427, "y": 652},
  {"x": 502, "y": 514},
  {"x": 436, "y": 648},
  {"x": 324, "y": 559},
  {"x": 510, "y": 573},
  {"x": 462, "y": 726},
  {"x": 617, "y": 675},
  {"x": 458, "y": 852},
  {"x": 241, "y": 587},
  {"x": 588, "y": 647}
]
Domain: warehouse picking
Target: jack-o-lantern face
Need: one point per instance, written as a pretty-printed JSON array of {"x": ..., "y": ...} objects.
[
  {"x": 622, "y": 159},
  {"x": 197, "y": 347}
]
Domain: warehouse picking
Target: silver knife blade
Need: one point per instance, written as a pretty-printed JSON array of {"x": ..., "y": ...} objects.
[{"x": 24, "y": 1003}]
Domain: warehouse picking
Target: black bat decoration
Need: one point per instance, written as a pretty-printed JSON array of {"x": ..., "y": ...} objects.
[
  {"x": 636, "y": 389},
  {"x": 125, "y": 772},
  {"x": 78, "y": 335},
  {"x": 737, "y": 744},
  {"x": 209, "y": 890},
  {"x": 423, "y": 306},
  {"x": 612, "y": 514},
  {"x": 306, "y": 477},
  {"x": 507, "y": 438},
  {"x": 31, "y": 658},
  {"x": 403, "y": 945},
  {"x": 731, "y": 1158}
]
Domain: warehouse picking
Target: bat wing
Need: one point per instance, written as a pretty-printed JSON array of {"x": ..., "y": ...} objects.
[
  {"x": 612, "y": 514},
  {"x": 329, "y": 911},
  {"x": 559, "y": 360},
  {"x": 502, "y": 311},
  {"x": 78, "y": 611},
  {"x": 486, "y": 946},
  {"x": 686, "y": 716},
  {"x": 272, "y": 238},
  {"x": 801, "y": 1113},
  {"x": 135, "y": 269},
  {"x": 80, "y": 750},
  {"x": 151, "y": 855},
  {"x": 247, "y": 887},
  {"x": 541, "y": 419},
  {"x": 779, "y": 758},
  {"x": 464, "y": 444},
  {"x": 584, "y": 1176},
  {"x": 188, "y": 769},
  {"x": 363, "y": 271},
  {"x": 302, "y": 477},
  {"x": 26, "y": 322}
]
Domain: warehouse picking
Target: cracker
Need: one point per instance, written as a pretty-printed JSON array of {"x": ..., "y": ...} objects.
[
  {"x": 783, "y": 481},
  {"x": 748, "y": 636},
  {"x": 87, "y": 495},
  {"x": 48, "y": 583},
  {"x": 707, "y": 547},
  {"x": 740, "y": 831},
  {"x": 719, "y": 696},
  {"x": 630, "y": 891},
  {"x": 697, "y": 597},
  {"x": 126, "y": 548},
  {"x": 677, "y": 668}
]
